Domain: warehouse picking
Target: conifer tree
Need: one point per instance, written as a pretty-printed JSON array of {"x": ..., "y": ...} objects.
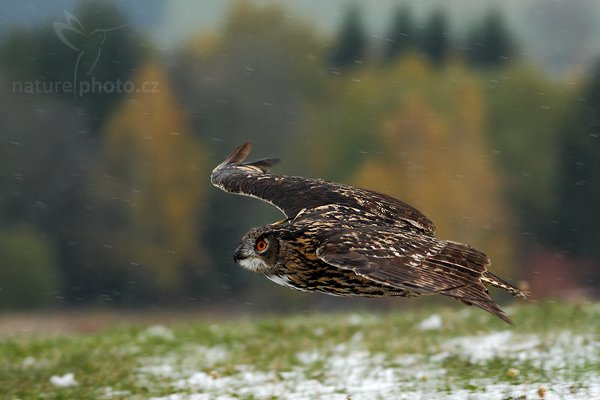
[
  {"x": 402, "y": 35},
  {"x": 578, "y": 186},
  {"x": 435, "y": 40},
  {"x": 490, "y": 43},
  {"x": 351, "y": 45}
]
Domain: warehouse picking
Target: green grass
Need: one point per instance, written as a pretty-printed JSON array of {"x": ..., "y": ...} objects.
[{"x": 555, "y": 348}]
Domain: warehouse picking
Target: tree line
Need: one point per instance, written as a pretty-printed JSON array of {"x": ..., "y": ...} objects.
[
  {"x": 105, "y": 198},
  {"x": 488, "y": 42}
]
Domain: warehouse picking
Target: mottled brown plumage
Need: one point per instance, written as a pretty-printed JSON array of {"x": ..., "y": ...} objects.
[{"x": 346, "y": 241}]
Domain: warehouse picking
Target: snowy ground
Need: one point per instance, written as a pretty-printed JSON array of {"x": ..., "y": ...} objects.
[
  {"x": 350, "y": 371},
  {"x": 553, "y": 352}
]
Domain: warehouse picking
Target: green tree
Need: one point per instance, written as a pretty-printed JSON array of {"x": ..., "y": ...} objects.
[
  {"x": 435, "y": 42},
  {"x": 152, "y": 175},
  {"x": 255, "y": 80},
  {"x": 47, "y": 152},
  {"x": 578, "y": 186},
  {"x": 490, "y": 43},
  {"x": 524, "y": 110},
  {"x": 345, "y": 131},
  {"x": 28, "y": 276},
  {"x": 402, "y": 36},
  {"x": 261, "y": 78},
  {"x": 351, "y": 44}
]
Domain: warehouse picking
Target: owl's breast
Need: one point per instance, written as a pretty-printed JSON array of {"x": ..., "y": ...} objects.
[{"x": 318, "y": 276}]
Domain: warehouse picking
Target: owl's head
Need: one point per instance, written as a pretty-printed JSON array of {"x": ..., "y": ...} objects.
[{"x": 258, "y": 249}]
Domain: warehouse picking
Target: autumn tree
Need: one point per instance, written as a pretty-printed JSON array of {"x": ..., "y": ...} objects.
[
  {"x": 152, "y": 176},
  {"x": 435, "y": 157}
]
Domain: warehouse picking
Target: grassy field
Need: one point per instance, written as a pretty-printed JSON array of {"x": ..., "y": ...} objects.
[{"x": 553, "y": 352}]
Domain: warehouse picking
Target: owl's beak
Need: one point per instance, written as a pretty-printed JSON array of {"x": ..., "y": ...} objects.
[{"x": 239, "y": 254}]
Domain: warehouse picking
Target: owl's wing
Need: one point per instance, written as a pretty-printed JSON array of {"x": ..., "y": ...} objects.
[
  {"x": 291, "y": 194},
  {"x": 411, "y": 261}
]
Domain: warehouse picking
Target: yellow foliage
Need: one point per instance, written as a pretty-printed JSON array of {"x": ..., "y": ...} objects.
[
  {"x": 203, "y": 45},
  {"x": 154, "y": 165},
  {"x": 436, "y": 158}
]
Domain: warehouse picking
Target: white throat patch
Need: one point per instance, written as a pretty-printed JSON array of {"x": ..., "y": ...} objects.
[
  {"x": 283, "y": 280},
  {"x": 254, "y": 264}
]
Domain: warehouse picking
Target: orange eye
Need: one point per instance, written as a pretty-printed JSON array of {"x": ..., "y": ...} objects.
[{"x": 261, "y": 245}]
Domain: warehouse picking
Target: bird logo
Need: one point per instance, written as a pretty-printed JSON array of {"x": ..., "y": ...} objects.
[{"x": 88, "y": 45}]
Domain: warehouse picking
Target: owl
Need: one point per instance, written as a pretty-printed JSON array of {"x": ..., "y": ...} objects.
[{"x": 346, "y": 241}]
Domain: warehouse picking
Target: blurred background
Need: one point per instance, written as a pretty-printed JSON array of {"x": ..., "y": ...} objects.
[{"x": 485, "y": 116}]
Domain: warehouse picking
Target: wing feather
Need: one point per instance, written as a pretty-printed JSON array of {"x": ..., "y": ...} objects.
[
  {"x": 407, "y": 260},
  {"x": 292, "y": 194}
]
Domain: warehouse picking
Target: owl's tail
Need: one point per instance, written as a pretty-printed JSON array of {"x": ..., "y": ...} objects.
[
  {"x": 471, "y": 265},
  {"x": 498, "y": 282}
]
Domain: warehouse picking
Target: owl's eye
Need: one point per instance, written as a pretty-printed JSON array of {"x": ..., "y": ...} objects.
[{"x": 261, "y": 245}]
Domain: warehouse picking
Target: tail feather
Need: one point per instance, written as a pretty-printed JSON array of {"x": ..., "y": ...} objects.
[
  {"x": 470, "y": 266},
  {"x": 498, "y": 282},
  {"x": 489, "y": 306}
]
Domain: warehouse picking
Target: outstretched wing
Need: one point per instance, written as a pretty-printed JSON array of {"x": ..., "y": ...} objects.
[
  {"x": 411, "y": 261},
  {"x": 291, "y": 194}
]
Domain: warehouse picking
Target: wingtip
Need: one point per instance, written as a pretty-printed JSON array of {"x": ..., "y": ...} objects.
[
  {"x": 239, "y": 154},
  {"x": 264, "y": 164}
]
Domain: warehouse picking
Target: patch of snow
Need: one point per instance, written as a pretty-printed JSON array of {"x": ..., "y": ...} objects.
[
  {"x": 194, "y": 396},
  {"x": 318, "y": 331},
  {"x": 308, "y": 357},
  {"x": 350, "y": 370},
  {"x": 497, "y": 344},
  {"x": 29, "y": 362},
  {"x": 193, "y": 358},
  {"x": 203, "y": 382},
  {"x": 65, "y": 380},
  {"x": 32, "y": 362},
  {"x": 161, "y": 370},
  {"x": 357, "y": 338},
  {"x": 355, "y": 319},
  {"x": 555, "y": 390},
  {"x": 158, "y": 332},
  {"x": 212, "y": 355},
  {"x": 109, "y": 393},
  {"x": 432, "y": 323},
  {"x": 559, "y": 351}
]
